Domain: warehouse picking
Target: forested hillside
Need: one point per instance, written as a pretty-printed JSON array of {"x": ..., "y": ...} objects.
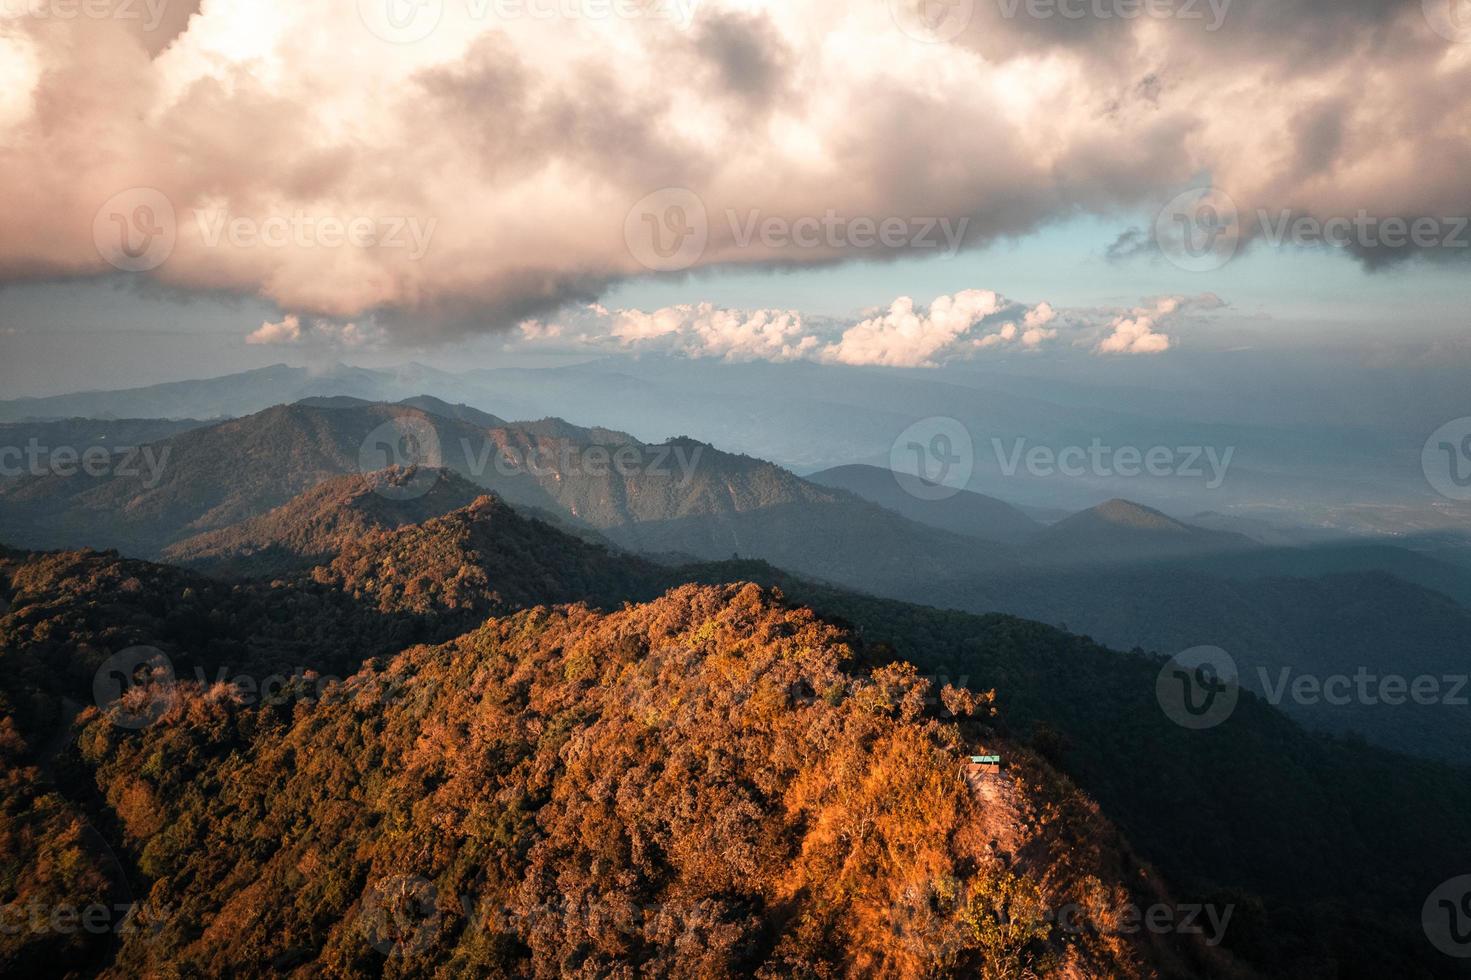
[{"x": 696, "y": 787}]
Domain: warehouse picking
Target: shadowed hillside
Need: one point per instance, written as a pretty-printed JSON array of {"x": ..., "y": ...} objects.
[{"x": 972, "y": 514}]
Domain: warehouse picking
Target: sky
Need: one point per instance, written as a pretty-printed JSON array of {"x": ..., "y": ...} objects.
[{"x": 197, "y": 188}]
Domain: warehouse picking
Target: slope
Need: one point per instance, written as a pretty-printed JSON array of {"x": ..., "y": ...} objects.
[{"x": 972, "y": 514}]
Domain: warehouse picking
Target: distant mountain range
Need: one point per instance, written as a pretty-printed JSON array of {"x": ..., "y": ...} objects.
[
  {"x": 281, "y": 490},
  {"x": 808, "y": 418}
]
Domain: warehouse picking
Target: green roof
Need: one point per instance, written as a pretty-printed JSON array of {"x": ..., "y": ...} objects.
[{"x": 993, "y": 759}]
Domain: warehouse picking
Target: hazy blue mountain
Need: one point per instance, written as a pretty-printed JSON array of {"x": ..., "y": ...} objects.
[
  {"x": 239, "y": 394},
  {"x": 1361, "y": 471},
  {"x": 972, "y": 514},
  {"x": 682, "y": 497},
  {"x": 1263, "y": 531},
  {"x": 1121, "y": 532}
]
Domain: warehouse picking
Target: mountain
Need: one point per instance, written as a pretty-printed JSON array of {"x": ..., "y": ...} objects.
[
  {"x": 210, "y": 478},
  {"x": 482, "y": 559},
  {"x": 1347, "y": 558},
  {"x": 566, "y": 787},
  {"x": 971, "y": 514},
  {"x": 493, "y": 743},
  {"x": 227, "y": 498},
  {"x": 1121, "y": 532},
  {"x": 24, "y": 445},
  {"x": 460, "y": 412},
  {"x": 1334, "y": 461},
  {"x": 1336, "y": 822},
  {"x": 1124, "y": 573},
  {"x": 202, "y": 480},
  {"x": 239, "y": 394},
  {"x": 682, "y": 497},
  {"x": 315, "y": 527},
  {"x": 706, "y": 504},
  {"x": 1270, "y": 533}
]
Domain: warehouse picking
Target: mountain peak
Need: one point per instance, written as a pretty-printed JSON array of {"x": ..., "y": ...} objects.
[
  {"x": 321, "y": 522},
  {"x": 1122, "y": 531},
  {"x": 1127, "y": 513}
]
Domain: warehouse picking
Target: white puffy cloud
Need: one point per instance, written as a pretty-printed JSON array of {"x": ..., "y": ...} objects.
[
  {"x": 906, "y": 337},
  {"x": 703, "y": 330},
  {"x": 290, "y": 330},
  {"x": 1139, "y": 331},
  {"x": 969, "y": 324},
  {"x": 287, "y": 331}
]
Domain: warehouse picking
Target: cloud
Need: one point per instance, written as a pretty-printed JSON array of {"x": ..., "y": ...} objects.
[
  {"x": 906, "y": 337},
  {"x": 1139, "y": 330},
  {"x": 289, "y": 330},
  {"x": 692, "y": 330},
  {"x": 954, "y": 328},
  {"x": 523, "y": 143},
  {"x": 702, "y": 330}
]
